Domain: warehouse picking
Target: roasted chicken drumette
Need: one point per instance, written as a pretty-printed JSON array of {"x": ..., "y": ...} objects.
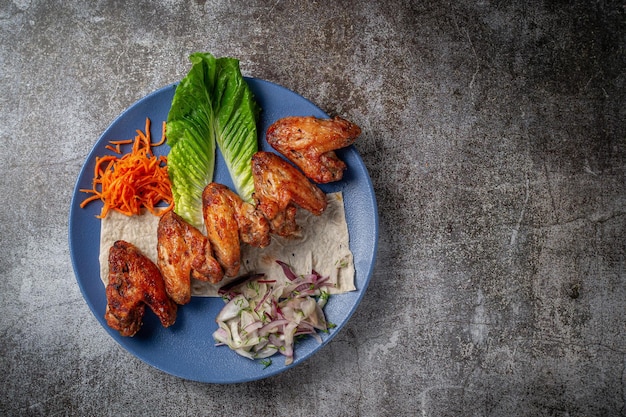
[
  {"x": 134, "y": 282},
  {"x": 230, "y": 221},
  {"x": 310, "y": 143},
  {"x": 279, "y": 189},
  {"x": 184, "y": 252}
]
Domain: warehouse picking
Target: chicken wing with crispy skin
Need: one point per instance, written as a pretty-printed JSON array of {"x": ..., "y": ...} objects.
[
  {"x": 310, "y": 143},
  {"x": 184, "y": 252},
  {"x": 229, "y": 221},
  {"x": 279, "y": 188},
  {"x": 134, "y": 281}
]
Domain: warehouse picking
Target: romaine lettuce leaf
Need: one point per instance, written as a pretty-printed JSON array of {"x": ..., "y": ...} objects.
[{"x": 212, "y": 105}]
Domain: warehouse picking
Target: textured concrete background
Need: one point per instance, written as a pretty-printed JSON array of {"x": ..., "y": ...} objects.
[{"x": 495, "y": 137}]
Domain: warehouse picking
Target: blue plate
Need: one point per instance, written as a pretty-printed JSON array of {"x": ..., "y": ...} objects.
[{"x": 187, "y": 349}]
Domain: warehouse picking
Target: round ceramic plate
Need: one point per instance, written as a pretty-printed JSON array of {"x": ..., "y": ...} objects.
[{"x": 187, "y": 348}]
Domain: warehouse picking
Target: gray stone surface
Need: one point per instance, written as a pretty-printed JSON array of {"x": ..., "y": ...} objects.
[{"x": 495, "y": 137}]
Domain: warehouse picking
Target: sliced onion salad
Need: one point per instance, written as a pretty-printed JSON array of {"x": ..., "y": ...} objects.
[{"x": 263, "y": 317}]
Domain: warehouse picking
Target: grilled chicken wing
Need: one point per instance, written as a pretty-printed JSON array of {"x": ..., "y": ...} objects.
[
  {"x": 183, "y": 252},
  {"x": 310, "y": 143},
  {"x": 229, "y": 221},
  {"x": 134, "y": 281},
  {"x": 279, "y": 188}
]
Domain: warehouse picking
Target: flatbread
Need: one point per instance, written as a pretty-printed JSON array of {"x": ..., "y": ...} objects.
[{"x": 324, "y": 246}]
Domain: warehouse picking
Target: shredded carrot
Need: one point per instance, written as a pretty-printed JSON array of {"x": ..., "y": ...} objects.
[
  {"x": 117, "y": 149},
  {"x": 162, "y": 141},
  {"x": 121, "y": 142},
  {"x": 134, "y": 181}
]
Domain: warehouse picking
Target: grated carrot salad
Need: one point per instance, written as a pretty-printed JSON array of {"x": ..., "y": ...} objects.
[{"x": 133, "y": 181}]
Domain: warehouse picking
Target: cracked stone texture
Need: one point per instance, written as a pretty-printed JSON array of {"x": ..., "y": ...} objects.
[{"x": 495, "y": 137}]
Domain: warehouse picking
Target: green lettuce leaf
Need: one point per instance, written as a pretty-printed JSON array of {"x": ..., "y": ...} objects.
[{"x": 212, "y": 105}]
